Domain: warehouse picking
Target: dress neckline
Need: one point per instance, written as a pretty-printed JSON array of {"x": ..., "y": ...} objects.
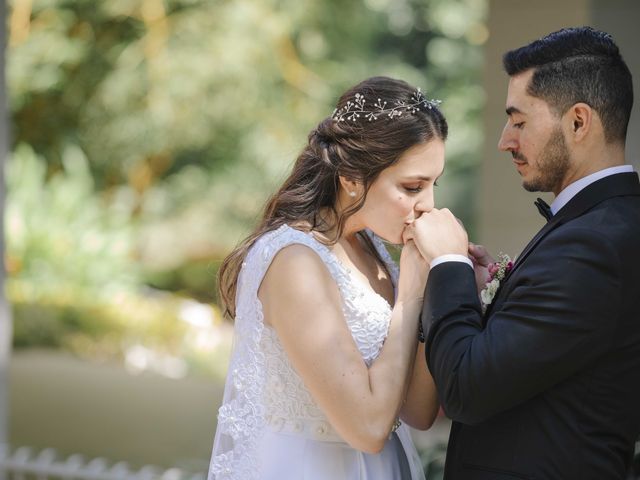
[{"x": 346, "y": 271}]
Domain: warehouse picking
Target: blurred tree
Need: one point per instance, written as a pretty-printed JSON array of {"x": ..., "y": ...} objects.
[
  {"x": 148, "y": 134},
  {"x": 198, "y": 108},
  {"x": 6, "y": 320}
]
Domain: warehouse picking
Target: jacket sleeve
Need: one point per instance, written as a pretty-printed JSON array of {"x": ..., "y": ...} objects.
[{"x": 559, "y": 316}]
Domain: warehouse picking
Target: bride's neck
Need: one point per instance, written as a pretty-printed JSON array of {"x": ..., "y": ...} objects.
[{"x": 328, "y": 228}]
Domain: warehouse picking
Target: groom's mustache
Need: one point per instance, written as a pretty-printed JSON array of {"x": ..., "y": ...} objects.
[{"x": 519, "y": 156}]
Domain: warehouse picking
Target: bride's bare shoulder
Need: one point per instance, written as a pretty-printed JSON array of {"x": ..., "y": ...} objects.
[{"x": 297, "y": 262}]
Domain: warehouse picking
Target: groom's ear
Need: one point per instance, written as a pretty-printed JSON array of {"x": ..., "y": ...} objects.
[{"x": 580, "y": 118}]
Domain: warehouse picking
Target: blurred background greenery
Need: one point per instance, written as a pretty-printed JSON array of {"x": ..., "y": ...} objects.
[{"x": 147, "y": 134}]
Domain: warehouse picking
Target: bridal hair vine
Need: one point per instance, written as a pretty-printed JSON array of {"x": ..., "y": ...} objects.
[{"x": 355, "y": 108}]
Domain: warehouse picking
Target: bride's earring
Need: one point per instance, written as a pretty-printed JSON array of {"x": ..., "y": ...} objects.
[{"x": 352, "y": 194}]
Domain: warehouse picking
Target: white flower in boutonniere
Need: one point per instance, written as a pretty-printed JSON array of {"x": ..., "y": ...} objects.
[{"x": 497, "y": 272}]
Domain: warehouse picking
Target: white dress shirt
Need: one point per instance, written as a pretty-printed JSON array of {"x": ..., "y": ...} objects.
[
  {"x": 561, "y": 200},
  {"x": 572, "y": 189}
]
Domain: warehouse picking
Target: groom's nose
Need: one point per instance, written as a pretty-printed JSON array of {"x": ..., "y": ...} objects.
[{"x": 508, "y": 141}]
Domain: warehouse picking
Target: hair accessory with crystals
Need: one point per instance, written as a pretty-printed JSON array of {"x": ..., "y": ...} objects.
[{"x": 356, "y": 108}]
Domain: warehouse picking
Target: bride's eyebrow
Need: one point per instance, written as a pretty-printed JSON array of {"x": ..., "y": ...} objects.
[
  {"x": 422, "y": 177},
  {"x": 417, "y": 177}
]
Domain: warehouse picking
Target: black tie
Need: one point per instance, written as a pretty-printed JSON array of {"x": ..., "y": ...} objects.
[{"x": 543, "y": 208}]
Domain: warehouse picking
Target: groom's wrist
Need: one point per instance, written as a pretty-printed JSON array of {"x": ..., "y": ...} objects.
[{"x": 453, "y": 257}]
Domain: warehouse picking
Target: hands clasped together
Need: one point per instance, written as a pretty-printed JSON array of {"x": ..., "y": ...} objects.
[{"x": 434, "y": 234}]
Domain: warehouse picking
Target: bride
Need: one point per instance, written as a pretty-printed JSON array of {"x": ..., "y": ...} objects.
[{"x": 327, "y": 371}]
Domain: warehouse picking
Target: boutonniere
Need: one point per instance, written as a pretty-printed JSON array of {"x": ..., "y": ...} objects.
[{"x": 497, "y": 271}]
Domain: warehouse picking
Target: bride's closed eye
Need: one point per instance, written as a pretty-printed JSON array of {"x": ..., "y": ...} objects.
[{"x": 418, "y": 188}]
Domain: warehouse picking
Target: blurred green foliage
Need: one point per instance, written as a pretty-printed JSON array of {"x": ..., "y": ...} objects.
[
  {"x": 148, "y": 133},
  {"x": 62, "y": 232},
  {"x": 75, "y": 283}
]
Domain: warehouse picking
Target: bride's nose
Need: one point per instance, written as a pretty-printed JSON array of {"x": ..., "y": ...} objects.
[{"x": 423, "y": 205}]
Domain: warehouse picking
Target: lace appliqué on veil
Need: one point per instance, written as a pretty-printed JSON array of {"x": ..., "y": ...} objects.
[{"x": 262, "y": 387}]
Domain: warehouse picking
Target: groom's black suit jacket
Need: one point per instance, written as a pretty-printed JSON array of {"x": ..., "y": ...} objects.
[{"x": 546, "y": 384}]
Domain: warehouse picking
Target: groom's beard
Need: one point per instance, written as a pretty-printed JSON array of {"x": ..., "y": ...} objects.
[{"x": 553, "y": 164}]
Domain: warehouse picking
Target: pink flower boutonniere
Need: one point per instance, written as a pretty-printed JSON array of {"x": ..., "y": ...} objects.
[{"x": 497, "y": 272}]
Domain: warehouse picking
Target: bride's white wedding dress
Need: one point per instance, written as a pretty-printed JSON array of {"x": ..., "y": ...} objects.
[{"x": 269, "y": 427}]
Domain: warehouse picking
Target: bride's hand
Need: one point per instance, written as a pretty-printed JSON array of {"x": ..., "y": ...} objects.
[
  {"x": 413, "y": 273},
  {"x": 481, "y": 260}
]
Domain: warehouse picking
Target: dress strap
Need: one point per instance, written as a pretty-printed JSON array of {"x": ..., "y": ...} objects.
[{"x": 265, "y": 249}]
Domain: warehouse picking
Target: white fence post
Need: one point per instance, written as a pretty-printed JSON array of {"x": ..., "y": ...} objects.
[{"x": 44, "y": 465}]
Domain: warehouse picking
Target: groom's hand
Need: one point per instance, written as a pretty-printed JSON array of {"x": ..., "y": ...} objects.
[{"x": 438, "y": 233}]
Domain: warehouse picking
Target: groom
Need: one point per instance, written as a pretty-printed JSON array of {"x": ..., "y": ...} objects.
[{"x": 546, "y": 383}]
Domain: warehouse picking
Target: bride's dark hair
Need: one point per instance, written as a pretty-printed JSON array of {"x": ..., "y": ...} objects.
[{"x": 358, "y": 150}]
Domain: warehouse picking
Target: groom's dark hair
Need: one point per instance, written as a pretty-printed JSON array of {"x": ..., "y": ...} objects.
[{"x": 576, "y": 65}]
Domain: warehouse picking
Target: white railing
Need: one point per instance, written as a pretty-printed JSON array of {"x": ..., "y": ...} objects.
[{"x": 26, "y": 464}]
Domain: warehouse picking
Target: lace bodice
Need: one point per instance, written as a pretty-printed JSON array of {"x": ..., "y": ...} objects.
[
  {"x": 263, "y": 390},
  {"x": 288, "y": 403}
]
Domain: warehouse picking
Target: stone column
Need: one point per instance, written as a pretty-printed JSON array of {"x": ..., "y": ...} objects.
[{"x": 620, "y": 19}]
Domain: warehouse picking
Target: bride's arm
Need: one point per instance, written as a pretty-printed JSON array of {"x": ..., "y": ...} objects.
[
  {"x": 301, "y": 301},
  {"x": 421, "y": 406}
]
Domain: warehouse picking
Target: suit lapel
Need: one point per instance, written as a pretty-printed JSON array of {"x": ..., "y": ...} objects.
[{"x": 616, "y": 185}]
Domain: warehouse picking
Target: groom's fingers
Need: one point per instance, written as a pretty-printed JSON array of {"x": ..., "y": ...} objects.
[
  {"x": 439, "y": 232},
  {"x": 450, "y": 214}
]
